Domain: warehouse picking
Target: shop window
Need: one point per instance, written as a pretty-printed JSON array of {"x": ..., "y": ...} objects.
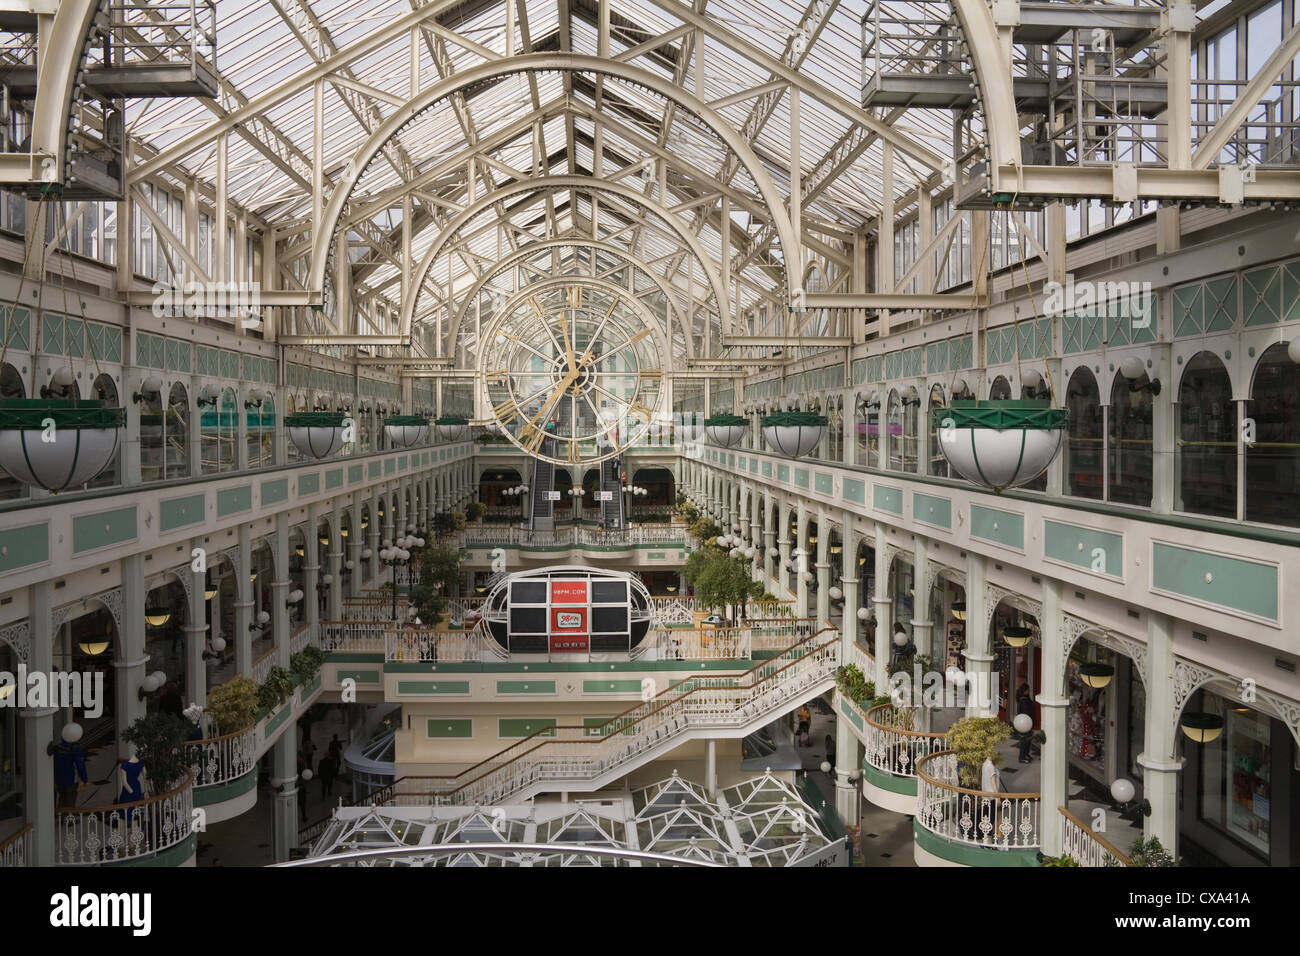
[
  {"x": 1273, "y": 460},
  {"x": 1236, "y": 772},
  {"x": 1085, "y": 441},
  {"x": 151, "y": 436},
  {"x": 176, "y": 433},
  {"x": 1207, "y": 432},
  {"x": 1129, "y": 451},
  {"x": 261, "y": 432},
  {"x": 228, "y": 428},
  {"x": 1088, "y": 713}
]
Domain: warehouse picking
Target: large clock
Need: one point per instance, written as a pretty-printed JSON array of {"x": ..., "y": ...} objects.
[{"x": 573, "y": 370}]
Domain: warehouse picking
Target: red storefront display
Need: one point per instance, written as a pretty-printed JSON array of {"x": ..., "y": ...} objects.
[{"x": 570, "y": 617}]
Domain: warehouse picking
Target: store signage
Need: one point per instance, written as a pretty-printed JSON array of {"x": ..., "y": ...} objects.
[
  {"x": 604, "y": 496},
  {"x": 569, "y": 630},
  {"x": 568, "y": 592},
  {"x": 552, "y": 496}
]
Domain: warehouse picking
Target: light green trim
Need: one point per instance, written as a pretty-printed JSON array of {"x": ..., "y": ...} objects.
[
  {"x": 361, "y": 677},
  {"x": 234, "y": 500},
  {"x": 888, "y": 781},
  {"x": 1001, "y": 527},
  {"x": 334, "y": 478},
  {"x": 1100, "y": 552},
  {"x": 611, "y": 687},
  {"x": 851, "y": 713},
  {"x": 525, "y": 687},
  {"x": 180, "y": 512},
  {"x": 228, "y": 790},
  {"x": 443, "y": 728},
  {"x": 102, "y": 529},
  {"x": 513, "y": 728},
  {"x": 454, "y": 687},
  {"x": 356, "y": 473},
  {"x": 824, "y": 483},
  {"x": 308, "y": 484},
  {"x": 964, "y": 854},
  {"x": 931, "y": 509},
  {"x": 887, "y": 498},
  {"x": 274, "y": 492},
  {"x": 854, "y": 490},
  {"x": 30, "y": 544},
  {"x": 1247, "y": 586},
  {"x": 173, "y": 856}
]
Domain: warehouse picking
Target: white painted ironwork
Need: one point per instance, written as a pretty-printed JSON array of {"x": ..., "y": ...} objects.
[
  {"x": 89, "y": 836},
  {"x": 1001, "y": 821}
]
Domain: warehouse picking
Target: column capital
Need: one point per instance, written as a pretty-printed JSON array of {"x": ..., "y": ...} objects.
[
  {"x": 849, "y": 580},
  {"x": 1166, "y": 766}
]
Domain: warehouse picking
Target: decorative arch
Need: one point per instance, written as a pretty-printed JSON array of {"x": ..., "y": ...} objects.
[
  {"x": 1190, "y": 676},
  {"x": 544, "y": 62}
]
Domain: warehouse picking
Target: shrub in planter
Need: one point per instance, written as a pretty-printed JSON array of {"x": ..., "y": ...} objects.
[
  {"x": 159, "y": 743},
  {"x": 474, "y": 510},
  {"x": 276, "y": 689},
  {"x": 854, "y": 685},
  {"x": 1063, "y": 860},
  {"x": 234, "y": 704},
  {"x": 306, "y": 663},
  {"x": 976, "y": 739},
  {"x": 1148, "y": 853}
]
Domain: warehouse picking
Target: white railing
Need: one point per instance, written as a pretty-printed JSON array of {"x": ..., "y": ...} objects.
[
  {"x": 774, "y": 634},
  {"x": 299, "y": 638},
  {"x": 353, "y": 637},
  {"x": 892, "y": 744},
  {"x": 1085, "y": 845},
  {"x": 673, "y": 610},
  {"x": 559, "y": 756},
  {"x": 216, "y": 760},
  {"x": 1002, "y": 821},
  {"x": 15, "y": 850},
  {"x": 262, "y": 666},
  {"x": 859, "y": 656},
  {"x": 412, "y": 645},
  {"x": 372, "y": 606},
  {"x": 126, "y": 831},
  {"x": 458, "y": 607},
  {"x": 704, "y": 644},
  {"x": 503, "y": 537}
]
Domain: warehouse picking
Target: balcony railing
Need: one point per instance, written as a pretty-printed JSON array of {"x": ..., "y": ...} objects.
[
  {"x": 892, "y": 745},
  {"x": 126, "y": 831},
  {"x": 421, "y": 644},
  {"x": 1000, "y": 821},
  {"x": 1085, "y": 845},
  {"x": 299, "y": 638},
  {"x": 15, "y": 849},
  {"x": 352, "y": 637},
  {"x": 576, "y": 536},
  {"x": 218, "y": 760},
  {"x": 262, "y": 666}
]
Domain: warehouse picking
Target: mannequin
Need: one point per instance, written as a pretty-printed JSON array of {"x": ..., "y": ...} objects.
[{"x": 130, "y": 772}]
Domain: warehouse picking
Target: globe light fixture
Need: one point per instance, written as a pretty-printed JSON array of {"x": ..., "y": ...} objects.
[
  {"x": 1097, "y": 675},
  {"x": 1000, "y": 444}
]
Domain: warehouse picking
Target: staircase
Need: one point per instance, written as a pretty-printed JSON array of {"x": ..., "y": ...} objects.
[
  {"x": 611, "y": 512},
  {"x": 541, "y": 515},
  {"x": 586, "y": 759}
]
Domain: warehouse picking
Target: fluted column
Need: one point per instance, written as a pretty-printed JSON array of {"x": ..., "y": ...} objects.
[
  {"x": 310, "y": 567},
  {"x": 979, "y": 655},
  {"x": 334, "y": 597},
  {"x": 38, "y": 732},
  {"x": 243, "y": 602},
  {"x": 1159, "y": 758},
  {"x": 196, "y": 630},
  {"x": 922, "y": 626},
  {"x": 1054, "y": 706},
  {"x": 281, "y": 585},
  {"x": 882, "y": 608},
  {"x": 130, "y": 662},
  {"x": 823, "y": 567},
  {"x": 782, "y": 575},
  {"x": 803, "y": 562}
]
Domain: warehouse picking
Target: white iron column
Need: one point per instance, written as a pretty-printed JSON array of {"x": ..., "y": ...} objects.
[
  {"x": 196, "y": 629},
  {"x": 922, "y": 626},
  {"x": 1159, "y": 759},
  {"x": 1054, "y": 706},
  {"x": 823, "y": 568},
  {"x": 131, "y": 661},
  {"x": 802, "y": 564},
  {"x": 782, "y": 575},
  {"x": 38, "y": 733},
  {"x": 243, "y": 603},
  {"x": 280, "y": 586},
  {"x": 771, "y": 564},
  {"x": 355, "y": 538},
  {"x": 310, "y": 565},
  {"x": 334, "y": 597},
  {"x": 284, "y": 768},
  {"x": 979, "y": 655},
  {"x": 882, "y": 607}
]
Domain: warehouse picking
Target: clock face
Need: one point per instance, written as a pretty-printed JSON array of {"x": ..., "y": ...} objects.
[{"x": 573, "y": 370}]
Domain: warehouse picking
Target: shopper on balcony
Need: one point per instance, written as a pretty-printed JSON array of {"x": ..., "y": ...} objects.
[{"x": 1025, "y": 705}]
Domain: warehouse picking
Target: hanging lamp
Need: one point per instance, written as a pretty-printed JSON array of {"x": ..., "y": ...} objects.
[
  {"x": 406, "y": 431},
  {"x": 726, "y": 430},
  {"x": 452, "y": 429},
  {"x": 316, "y": 434},
  {"x": 1000, "y": 444},
  {"x": 794, "y": 434}
]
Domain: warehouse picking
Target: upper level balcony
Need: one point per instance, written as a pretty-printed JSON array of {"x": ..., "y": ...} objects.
[{"x": 961, "y": 826}]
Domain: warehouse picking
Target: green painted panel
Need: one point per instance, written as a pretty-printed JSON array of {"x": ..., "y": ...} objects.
[
  {"x": 401, "y": 462},
  {"x": 854, "y": 490},
  {"x": 390, "y": 465},
  {"x": 801, "y": 477},
  {"x": 966, "y": 854},
  {"x": 440, "y": 728},
  {"x": 275, "y": 723},
  {"x": 374, "y": 469},
  {"x": 334, "y": 479},
  {"x": 1216, "y": 578},
  {"x": 825, "y": 484},
  {"x": 525, "y": 687},
  {"x": 433, "y": 687},
  {"x": 231, "y": 500},
  {"x": 849, "y": 711},
  {"x": 655, "y": 556},
  {"x": 355, "y": 473},
  {"x": 753, "y": 466},
  {"x": 887, "y": 781},
  {"x": 1098, "y": 551},
  {"x": 361, "y": 677},
  {"x": 783, "y": 473},
  {"x": 893, "y": 365},
  {"x": 30, "y": 544},
  {"x": 179, "y": 512},
  {"x": 767, "y": 469},
  {"x": 273, "y": 491},
  {"x": 887, "y": 498},
  {"x": 1261, "y": 296},
  {"x": 308, "y": 484},
  {"x": 1002, "y": 527},
  {"x": 932, "y": 509},
  {"x": 611, "y": 687},
  {"x": 515, "y": 727}
]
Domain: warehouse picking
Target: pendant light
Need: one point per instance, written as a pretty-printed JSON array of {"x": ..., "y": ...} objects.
[
  {"x": 1017, "y": 635},
  {"x": 959, "y": 612},
  {"x": 726, "y": 430},
  {"x": 1201, "y": 727},
  {"x": 157, "y": 616},
  {"x": 1096, "y": 675}
]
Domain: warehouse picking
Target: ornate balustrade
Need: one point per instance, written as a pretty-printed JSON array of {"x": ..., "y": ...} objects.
[
  {"x": 353, "y": 637},
  {"x": 262, "y": 666},
  {"x": 422, "y": 644},
  {"x": 892, "y": 744},
  {"x": 300, "y": 637},
  {"x": 1087, "y": 846},
  {"x": 15, "y": 849},
  {"x": 89, "y": 836},
  {"x": 1001, "y": 821},
  {"x": 218, "y": 760}
]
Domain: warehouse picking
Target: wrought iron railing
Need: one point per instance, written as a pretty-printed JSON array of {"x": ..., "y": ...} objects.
[
  {"x": 88, "y": 836},
  {"x": 218, "y": 760},
  {"x": 893, "y": 745},
  {"x": 15, "y": 849},
  {"x": 421, "y": 644},
  {"x": 1001, "y": 821},
  {"x": 1085, "y": 845}
]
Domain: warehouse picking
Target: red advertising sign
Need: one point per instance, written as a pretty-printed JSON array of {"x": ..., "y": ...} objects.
[
  {"x": 569, "y": 629},
  {"x": 568, "y": 592}
]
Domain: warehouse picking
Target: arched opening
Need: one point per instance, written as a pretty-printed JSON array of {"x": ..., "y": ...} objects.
[
  {"x": 164, "y": 643},
  {"x": 911, "y": 430},
  {"x": 894, "y": 431},
  {"x": 11, "y": 383},
  {"x": 176, "y": 433},
  {"x": 260, "y": 425},
  {"x": 1000, "y": 390},
  {"x": 1129, "y": 453},
  {"x": 1085, "y": 463},
  {"x": 937, "y": 464},
  {"x": 151, "y": 436},
  {"x": 1273, "y": 459},
  {"x": 87, "y": 644},
  {"x": 104, "y": 389},
  {"x": 657, "y": 503},
  {"x": 1207, "y": 432},
  {"x": 1015, "y": 640},
  {"x": 835, "y": 429},
  {"x": 228, "y": 426}
]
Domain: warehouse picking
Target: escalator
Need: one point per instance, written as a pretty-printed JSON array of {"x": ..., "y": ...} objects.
[
  {"x": 541, "y": 515},
  {"x": 611, "y": 511}
]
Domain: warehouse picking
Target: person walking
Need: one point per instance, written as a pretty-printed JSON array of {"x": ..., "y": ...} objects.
[
  {"x": 805, "y": 724},
  {"x": 328, "y": 771},
  {"x": 335, "y": 751},
  {"x": 302, "y": 791}
]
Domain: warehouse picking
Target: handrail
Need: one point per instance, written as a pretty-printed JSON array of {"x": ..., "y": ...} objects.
[
  {"x": 220, "y": 759},
  {"x": 999, "y": 795},
  {"x": 1104, "y": 845},
  {"x": 122, "y": 831},
  {"x": 893, "y": 729},
  {"x": 619, "y": 724},
  {"x": 497, "y": 849},
  {"x": 13, "y": 848}
]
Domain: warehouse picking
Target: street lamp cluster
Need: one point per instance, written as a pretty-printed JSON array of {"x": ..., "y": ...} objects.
[
  {"x": 398, "y": 553},
  {"x": 515, "y": 491},
  {"x": 737, "y": 547}
]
